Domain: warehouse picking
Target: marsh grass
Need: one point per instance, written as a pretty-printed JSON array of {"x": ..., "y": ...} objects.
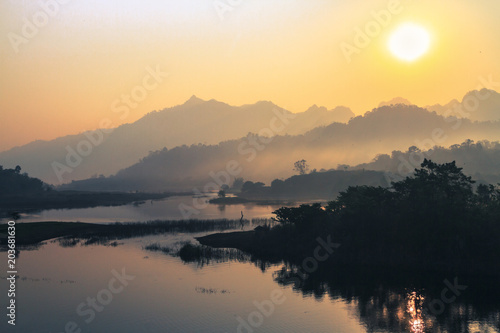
[
  {"x": 156, "y": 247},
  {"x": 72, "y": 234}
]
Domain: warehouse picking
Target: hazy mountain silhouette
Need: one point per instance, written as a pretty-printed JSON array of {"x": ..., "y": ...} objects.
[
  {"x": 476, "y": 105},
  {"x": 395, "y": 101},
  {"x": 196, "y": 121},
  {"x": 392, "y": 127},
  {"x": 480, "y": 160},
  {"x": 382, "y": 130}
]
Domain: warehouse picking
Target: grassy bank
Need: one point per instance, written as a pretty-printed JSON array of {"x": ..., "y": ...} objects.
[
  {"x": 33, "y": 233},
  {"x": 10, "y": 204}
]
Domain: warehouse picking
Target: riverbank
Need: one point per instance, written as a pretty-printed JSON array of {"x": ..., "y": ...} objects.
[
  {"x": 241, "y": 240},
  {"x": 11, "y": 205},
  {"x": 240, "y": 200},
  {"x": 34, "y": 233}
]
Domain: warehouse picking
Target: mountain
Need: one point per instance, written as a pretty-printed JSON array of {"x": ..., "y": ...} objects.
[
  {"x": 260, "y": 158},
  {"x": 476, "y": 105},
  {"x": 196, "y": 121},
  {"x": 478, "y": 159},
  {"x": 395, "y": 101}
]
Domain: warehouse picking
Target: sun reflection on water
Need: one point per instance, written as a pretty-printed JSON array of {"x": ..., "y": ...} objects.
[{"x": 414, "y": 307}]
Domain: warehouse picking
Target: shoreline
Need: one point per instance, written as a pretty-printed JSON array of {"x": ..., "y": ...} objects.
[
  {"x": 32, "y": 233},
  {"x": 10, "y": 206}
]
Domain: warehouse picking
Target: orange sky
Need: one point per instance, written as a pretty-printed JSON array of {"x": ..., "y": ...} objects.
[{"x": 66, "y": 75}]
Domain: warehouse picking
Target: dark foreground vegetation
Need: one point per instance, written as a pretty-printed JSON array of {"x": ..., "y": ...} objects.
[
  {"x": 22, "y": 193},
  {"x": 434, "y": 220}
]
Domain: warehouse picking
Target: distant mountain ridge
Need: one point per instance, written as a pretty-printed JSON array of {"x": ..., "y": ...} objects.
[
  {"x": 255, "y": 158},
  {"x": 195, "y": 121},
  {"x": 395, "y": 101},
  {"x": 211, "y": 122},
  {"x": 476, "y": 105},
  {"x": 481, "y": 160}
]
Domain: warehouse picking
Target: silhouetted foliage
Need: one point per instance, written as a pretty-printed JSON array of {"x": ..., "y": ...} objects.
[
  {"x": 249, "y": 186},
  {"x": 324, "y": 185},
  {"x": 12, "y": 182},
  {"x": 301, "y": 167},
  {"x": 432, "y": 220},
  {"x": 304, "y": 219},
  {"x": 237, "y": 184},
  {"x": 21, "y": 193},
  {"x": 480, "y": 159}
]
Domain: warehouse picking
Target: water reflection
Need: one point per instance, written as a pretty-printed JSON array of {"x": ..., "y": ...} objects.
[
  {"x": 380, "y": 299},
  {"x": 151, "y": 210},
  {"x": 394, "y": 302},
  {"x": 414, "y": 307}
]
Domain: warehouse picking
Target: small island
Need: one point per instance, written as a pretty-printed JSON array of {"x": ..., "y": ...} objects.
[
  {"x": 435, "y": 220},
  {"x": 22, "y": 193}
]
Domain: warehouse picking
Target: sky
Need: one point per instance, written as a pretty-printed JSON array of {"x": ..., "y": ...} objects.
[{"x": 66, "y": 65}]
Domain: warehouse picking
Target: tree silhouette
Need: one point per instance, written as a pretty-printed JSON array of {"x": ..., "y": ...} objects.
[
  {"x": 238, "y": 183},
  {"x": 432, "y": 220},
  {"x": 301, "y": 167}
]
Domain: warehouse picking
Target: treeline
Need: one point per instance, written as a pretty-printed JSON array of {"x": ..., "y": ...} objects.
[
  {"x": 22, "y": 193},
  {"x": 480, "y": 159},
  {"x": 14, "y": 183},
  {"x": 432, "y": 220},
  {"x": 315, "y": 185}
]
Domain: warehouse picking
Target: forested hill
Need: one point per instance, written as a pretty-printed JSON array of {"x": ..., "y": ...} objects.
[
  {"x": 264, "y": 159},
  {"x": 196, "y": 121},
  {"x": 15, "y": 183},
  {"x": 479, "y": 159}
]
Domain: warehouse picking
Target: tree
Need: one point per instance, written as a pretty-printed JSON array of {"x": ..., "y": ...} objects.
[
  {"x": 277, "y": 184},
  {"x": 413, "y": 149},
  {"x": 343, "y": 167},
  {"x": 221, "y": 194},
  {"x": 301, "y": 167},
  {"x": 437, "y": 183},
  {"x": 247, "y": 186},
  {"x": 304, "y": 219},
  {"x": 485, "y": 194},
  {"x": 237, "y": 184},
  {"x": 250, "y": 186},
  {"x": 17, "y": 169}
]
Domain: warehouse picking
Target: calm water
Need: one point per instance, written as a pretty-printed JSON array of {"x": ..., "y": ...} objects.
[
  {"x": 166, "y": 295},
  {"x": 163, "y": 294},
  {"x": 55, "y": 284},
  {"x": 152, "y": 210}
]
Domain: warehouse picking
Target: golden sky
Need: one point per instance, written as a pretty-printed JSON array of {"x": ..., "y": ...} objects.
[{"x": 68, "y": 73}]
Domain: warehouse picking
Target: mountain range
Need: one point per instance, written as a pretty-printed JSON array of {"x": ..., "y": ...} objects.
[
  {"x": 196, "y": 121},
  {"x": 181, "y": 146},
  {"x": 257, "y": 158}
]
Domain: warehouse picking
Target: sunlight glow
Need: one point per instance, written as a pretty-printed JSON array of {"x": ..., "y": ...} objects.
[{"x": 409, "y": 42}]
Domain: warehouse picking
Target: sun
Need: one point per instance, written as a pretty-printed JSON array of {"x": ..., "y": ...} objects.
[{"x": 409, "y": 42}]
